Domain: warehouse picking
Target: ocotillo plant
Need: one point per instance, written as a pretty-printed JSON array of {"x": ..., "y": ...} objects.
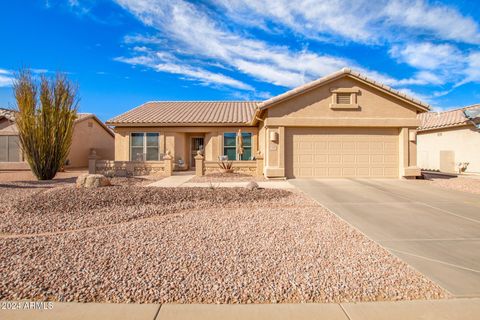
[{"x": 45, "y": 120}]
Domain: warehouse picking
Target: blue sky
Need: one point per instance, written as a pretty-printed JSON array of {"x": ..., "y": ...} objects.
[{"x": 122, "y": 53}]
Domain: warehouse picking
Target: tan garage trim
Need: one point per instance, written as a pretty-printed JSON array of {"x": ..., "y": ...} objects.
[
  {"x": 344, "y": 122},
  {"x": 342, "y": 153}
]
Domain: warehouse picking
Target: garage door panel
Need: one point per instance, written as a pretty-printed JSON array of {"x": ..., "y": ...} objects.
[
  {"x": 321, "y": 158},
  {"x": 305, "y": 172},
  {"x": 348, "y": 172},
  {"x": 363, "y": 172},
  {"x": 342, "y": 152},
  {"x": 306, "y": 159},
  {"x": 334, "y": 159},
  {"x": 348, "y": 159},
  {"x": 391, "y": 172},
  {"x": 334, "y": 172},
  {"x": 319, "y": 146},
  {"x": 376, "y": 172},
  {"x": 376, "y": 158},
  {"x": 391, "y": 146},
  {"x": 390, "y": 159},
  {"x": 305, "y": 147},
  {"x": 362, "y": 146},
  {"x": 363, "y": 158},
  {"x": 320, "y": 172}
]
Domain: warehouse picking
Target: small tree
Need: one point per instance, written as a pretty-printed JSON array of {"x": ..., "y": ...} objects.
[{"x": 45, "y": 121}]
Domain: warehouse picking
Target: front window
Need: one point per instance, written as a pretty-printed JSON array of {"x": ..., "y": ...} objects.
[
  {"x": 144, "y": 146},
  {"x": 230, "y": 149}
]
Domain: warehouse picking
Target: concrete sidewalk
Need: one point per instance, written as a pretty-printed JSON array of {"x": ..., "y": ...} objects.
[{"x": 464, "y": 309}]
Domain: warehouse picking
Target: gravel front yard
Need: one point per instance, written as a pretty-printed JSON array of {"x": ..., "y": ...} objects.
[
  {"x": 27, "y": 175},
  {"x": 464, "y": 184},
  {"x": 191, "y": 245}
]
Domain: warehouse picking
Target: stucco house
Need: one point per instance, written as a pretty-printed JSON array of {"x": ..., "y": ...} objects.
[
  {"x": 341, "y": 125},
  {"x": 450, "y": 140},
  {"x": 89, "y": 133}
]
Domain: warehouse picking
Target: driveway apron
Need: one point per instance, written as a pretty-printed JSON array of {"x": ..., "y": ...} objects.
[{"x": 435, "y": 230}]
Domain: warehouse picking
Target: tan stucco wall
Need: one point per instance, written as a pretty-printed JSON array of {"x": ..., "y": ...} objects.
[
  {"x": 464, "y": 141},
  {"x": 177, "y": 140},
  {"x": 7, "y": 128},
  {"x": 89, "y": 134},
  {"x": 316, "y": 104},
  {"x": 377, "y": 109},
  {"x": 84, "y": 139},
  {"x": 312, "y": 109}
]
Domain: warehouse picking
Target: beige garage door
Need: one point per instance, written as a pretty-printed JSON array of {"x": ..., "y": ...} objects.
[{"x": 341, "y": 152}]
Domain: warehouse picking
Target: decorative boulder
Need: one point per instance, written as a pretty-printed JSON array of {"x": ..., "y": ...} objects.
[
  {"x": 252, "y": 185},
  {"x": 92, "y": 181}
]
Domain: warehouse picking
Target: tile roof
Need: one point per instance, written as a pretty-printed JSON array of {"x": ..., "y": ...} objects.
[
  {"x": 7, "y": 113},
  {"x": 445, "y": 119},
  {"x": 229, "y": 112},
  {"x": 10, "y": 115},
  {"x": 190, "y": 112},
  {"x": 313, "y": 84},
  {"x": 81, "y": 116},
  {"x": 85, "y": 116}
]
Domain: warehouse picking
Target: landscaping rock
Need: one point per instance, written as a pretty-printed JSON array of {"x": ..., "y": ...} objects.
[
  {"x": 92, "y": 181},
  {"x": 252, "y": 185},
  {"x": 194, "y": 245}
]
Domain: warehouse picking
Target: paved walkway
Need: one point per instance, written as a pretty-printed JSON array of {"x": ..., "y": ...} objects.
[
  {"x": 464, "y": 309},
  {"x": 173, "y": 181},
  {"x": 435, "y": 230},
  {"x": 182, "y": 181},
  {"x": 274, "y": 184}
]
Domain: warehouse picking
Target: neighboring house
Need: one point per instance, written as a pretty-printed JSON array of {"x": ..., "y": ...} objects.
[
  {"x": 448, "y": 140},
  {"x": 341, "y": 125},
  {"x": 89, "y": 133}
]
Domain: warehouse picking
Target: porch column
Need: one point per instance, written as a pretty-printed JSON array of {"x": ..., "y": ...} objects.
[
  {"x": 167, "y": 159},
  {"x": 259, "y": 159},
  {"x": 92, "y": 162},
  {"x": 407, "y": 154},
  {"x": 199, "y": 164}
]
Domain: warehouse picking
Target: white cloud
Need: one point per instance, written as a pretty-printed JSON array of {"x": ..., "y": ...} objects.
[
  {"x": 416, "y": 95},
  {"x": 427, "y": 55},
  {"x": 199, "y": 36},
  {"x": 164, "y": 63},
  {"x": 138, "y": 38},
  {"x": 6, "y": 78},
  {"x": 359, "y": 20},
  {"x": 40, "y": 71},
  {"x": 206, "y": 77},
  {"x": 440, "y": 21},
  {"x": 191, "y": 40},
  {"x": 472, "y": 73},
  {"x": 439, "y": 64}
]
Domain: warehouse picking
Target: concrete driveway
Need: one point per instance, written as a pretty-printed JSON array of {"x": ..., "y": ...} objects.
[{"x": 437, "y": 231}]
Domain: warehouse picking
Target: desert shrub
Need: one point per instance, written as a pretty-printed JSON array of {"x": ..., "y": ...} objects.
[{"x": 45, "y": 120}]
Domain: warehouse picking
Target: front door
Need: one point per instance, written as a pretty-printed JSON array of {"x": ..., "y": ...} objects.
[{"x": 196, "y": 144}]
